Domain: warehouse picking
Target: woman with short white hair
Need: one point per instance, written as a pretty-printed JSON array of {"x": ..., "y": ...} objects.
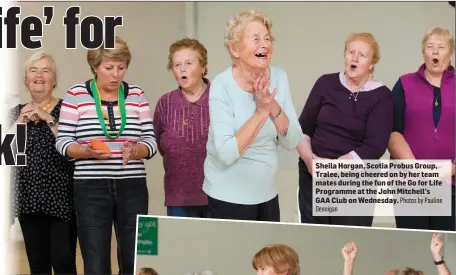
[
  {"x": 424, "y": 118},
  {"x": 251, "y": 114},
  {"x": 43, "y": 189}
]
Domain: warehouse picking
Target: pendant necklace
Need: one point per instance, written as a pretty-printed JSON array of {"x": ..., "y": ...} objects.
[
  {"x": 45, "y": 108},
  {"x": 185, "y": 122},
  {"x": 436, "y": 103}
]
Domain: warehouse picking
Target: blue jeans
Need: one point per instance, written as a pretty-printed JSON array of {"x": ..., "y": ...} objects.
[
  {"x": 189, "y": 211},
  {"x": 100, "y": 203}
]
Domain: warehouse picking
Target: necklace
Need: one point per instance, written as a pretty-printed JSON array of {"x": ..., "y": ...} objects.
[
  {"x": 356, "y": 93},
  {"x": 353, "y": 92},
  {"x": 185, "y": 121},
  {"x": 436, "y": 103},
  {"x": 355, "y": 96},
  {"x": 102, "y": 116},
  {"x": 45, "y": 108}
]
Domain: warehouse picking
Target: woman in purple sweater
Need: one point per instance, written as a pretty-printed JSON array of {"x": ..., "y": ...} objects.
[
  {"x": 181, "y": 123},
  {"x": 348, "y": 115},
  {"x": 424, "y": 118}
]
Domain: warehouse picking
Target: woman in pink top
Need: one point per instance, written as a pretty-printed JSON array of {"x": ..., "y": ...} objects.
[{"x": 181, "y": 123}]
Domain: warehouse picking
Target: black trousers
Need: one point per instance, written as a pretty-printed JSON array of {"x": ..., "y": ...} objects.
[
  {"x": 439, "y": 223},
  {"x": 100, "y": 203},
  {"x": 268, "y": 211},
  {"x": 50, "y": 243},
  {"x": 305, "y": 199}
]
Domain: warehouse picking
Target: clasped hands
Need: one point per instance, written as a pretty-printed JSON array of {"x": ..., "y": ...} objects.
[
  {"x": 128, "y": 152},
  {"x": 265, "y": 101},
  {"x": 33, "y": 113}
]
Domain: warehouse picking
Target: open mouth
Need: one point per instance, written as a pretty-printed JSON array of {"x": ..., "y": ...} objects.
[
  {"x": 261, "y": 55},
  {"x": 184, "y": 77},
  {"x": 353, "y": 67},
  {"x": 39, "y": 82},
  {"x": 435, "y": 61}
]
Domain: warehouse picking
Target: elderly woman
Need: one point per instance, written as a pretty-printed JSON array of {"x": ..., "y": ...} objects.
[
  {"x": 43, "y": 189},
  {"x": 251, "y": 114},
  {"x": 349, "y": 252},
  {"x": 276, "y": 259},
  {"x": 348, "y": 115},
  {"x": 424, "y": 118},
  {"x": 106, "y": 128},
  {"x": 181, "y": 123}
]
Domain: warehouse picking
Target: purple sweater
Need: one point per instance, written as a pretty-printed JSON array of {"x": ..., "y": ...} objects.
[
  {"x": 425, "y": 140},
  {"x": 337, "y": 124},
  {"x": 181, "y": 130}
]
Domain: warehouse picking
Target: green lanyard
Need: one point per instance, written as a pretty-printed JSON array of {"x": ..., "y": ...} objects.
[{"x": 102, "y": 116}]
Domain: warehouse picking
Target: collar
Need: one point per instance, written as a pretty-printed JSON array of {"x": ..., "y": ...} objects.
[
  {"x": 369, "y": 86},
  {"x": 447, "y": 76},
  {"x": 89, "y": 90},
  {"x": 203, "y": 100}
]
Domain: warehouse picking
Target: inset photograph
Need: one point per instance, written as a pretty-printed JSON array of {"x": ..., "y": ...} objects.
[{"x": 187, "y": 246}]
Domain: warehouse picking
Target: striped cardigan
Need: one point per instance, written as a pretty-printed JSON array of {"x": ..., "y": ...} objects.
[{"x": 79, "y": 123}]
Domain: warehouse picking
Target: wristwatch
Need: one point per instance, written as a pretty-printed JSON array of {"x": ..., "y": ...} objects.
[
  {"x": 53, "y": 122},
  {"x": 439, "y": 262},
  {"x": 276, "y": 116}
]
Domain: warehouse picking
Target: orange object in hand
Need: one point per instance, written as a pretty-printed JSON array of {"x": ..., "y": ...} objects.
[{"x": 100, "y": 145}]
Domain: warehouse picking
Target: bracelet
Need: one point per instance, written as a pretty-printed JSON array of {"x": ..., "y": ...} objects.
[
  {"x": 439, "y": 262},
  {"x": 276, "y": 116}
]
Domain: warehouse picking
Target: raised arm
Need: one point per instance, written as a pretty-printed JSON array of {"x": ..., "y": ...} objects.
[
  {"x": 349, "y": 252},
  {"x": 398, "y": 146},
  {"x": 229, "y": 144},
  {"x": 286, "y": 122},
  {"x": 436, "y": 251}
]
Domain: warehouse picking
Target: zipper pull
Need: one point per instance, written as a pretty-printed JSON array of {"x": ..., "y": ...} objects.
[{"x": 435, "y": 132}]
